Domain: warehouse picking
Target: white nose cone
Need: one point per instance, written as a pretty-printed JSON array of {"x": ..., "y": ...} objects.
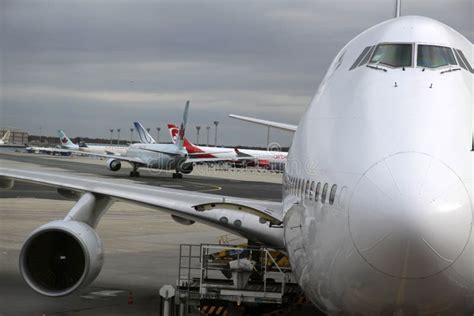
[{"x": 410, "y": 216}]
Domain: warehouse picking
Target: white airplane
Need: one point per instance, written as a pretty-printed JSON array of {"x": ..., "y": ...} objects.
[
  {"x": 376, "y": 217},
  {"x": 90, "y": 148},
  {"x": 4, "y": 139},
  {"x": 154, "y": 156},
  {"x": 263, "y": 158}
]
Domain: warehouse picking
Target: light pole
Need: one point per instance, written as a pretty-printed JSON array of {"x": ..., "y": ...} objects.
[
  {"x": 208, "y": 128},
  {"x": 118, "y": 136},
  {"x": 131, "y": 135},
  {"x": 197, "y": 131},
  {"x": 158, "y": 129},
  {"x": 215, "y": 135},
  {"x": 111, "y": 134}
]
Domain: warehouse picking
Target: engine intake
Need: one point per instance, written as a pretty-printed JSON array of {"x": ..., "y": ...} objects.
[
  {"x": 60, "y": 257},
  {"x": 186, "y": 168},
  {"x": 114, "y": 165}
]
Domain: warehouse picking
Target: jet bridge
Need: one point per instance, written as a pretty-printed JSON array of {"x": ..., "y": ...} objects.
[{"x": 217, "y": 279}]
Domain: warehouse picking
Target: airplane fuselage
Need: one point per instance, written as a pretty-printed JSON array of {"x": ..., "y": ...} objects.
[
  {"x": 378, "y": 183},
  {"x": 157, "y": 156}
]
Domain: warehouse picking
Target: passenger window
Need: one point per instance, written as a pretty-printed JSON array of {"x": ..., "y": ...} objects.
[
  {"x": 325, "y": 193},
  {"x": 463, "y": 62},
  {"x": 431, "y": 56},
  {"x": 311, "y": 190},
  {"x": 362, "y": 55},
  {"x": 302, "y": 188},
  {"x": 318, "y": 190},
  {"x": 393, "y": 55},
  {"x": 332, "y": 195},
  {"x": 306, "y": 190}
]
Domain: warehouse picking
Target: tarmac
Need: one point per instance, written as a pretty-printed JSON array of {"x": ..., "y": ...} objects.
[{"x": 141, "y": 245}]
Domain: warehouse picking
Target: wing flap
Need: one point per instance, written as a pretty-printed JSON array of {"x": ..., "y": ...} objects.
[{"x": 110, "y": 156}]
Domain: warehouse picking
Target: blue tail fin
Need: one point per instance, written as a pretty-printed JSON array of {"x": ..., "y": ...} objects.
[{"x": 144, "y": 136}]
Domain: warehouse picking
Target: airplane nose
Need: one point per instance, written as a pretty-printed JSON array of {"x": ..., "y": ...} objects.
[{"x": 410, "y": 216}]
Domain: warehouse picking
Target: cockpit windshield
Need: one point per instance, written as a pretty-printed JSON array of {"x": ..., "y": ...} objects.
[
  {"x": 431, "y": 56},
  {"x": 393, "y": 55}
]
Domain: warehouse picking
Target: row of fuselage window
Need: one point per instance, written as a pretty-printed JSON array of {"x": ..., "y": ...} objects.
[{"x": 312, "y": 191}]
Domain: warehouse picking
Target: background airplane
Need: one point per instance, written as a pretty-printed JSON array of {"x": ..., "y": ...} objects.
[
  {"x": 153, "y": 155},
  {"x": 5, "y": 138},
  {"x": 90, "y": 148},
  {"x": 263, "y": 158}
]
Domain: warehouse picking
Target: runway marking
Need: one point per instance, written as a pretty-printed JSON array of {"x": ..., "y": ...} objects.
[
  {"x": 214, "y": 187},
  {"x": 401, "y": 288},
  {"x": 103, "y": 294}
]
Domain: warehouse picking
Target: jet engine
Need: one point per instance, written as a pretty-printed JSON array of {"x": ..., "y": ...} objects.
[
  {"x": 114, "y": 165},
  {"x": 186, "y": 168},
  {"x": 60, "y": 257}
]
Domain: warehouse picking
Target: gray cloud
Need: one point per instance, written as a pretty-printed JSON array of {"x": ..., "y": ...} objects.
[{"x": 87, "y": 66}]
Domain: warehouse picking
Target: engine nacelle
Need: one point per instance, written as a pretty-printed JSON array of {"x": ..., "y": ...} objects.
[
  {"x": 60, "y": 257},
  {"x": 113, "y": 165},
  {"x": 186, "y": 168}
]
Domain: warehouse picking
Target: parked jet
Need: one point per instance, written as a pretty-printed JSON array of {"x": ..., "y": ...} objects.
[
  {"x": 5, "y": 138},
  {"x": 376, "y": 217},
  {"x": 89, "y": 148},
  {"x": 264, "y": 158},
  {"x": 155, "y": 156}
]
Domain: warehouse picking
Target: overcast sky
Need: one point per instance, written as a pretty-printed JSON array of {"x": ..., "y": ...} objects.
[{"x": 88, "y": 66}]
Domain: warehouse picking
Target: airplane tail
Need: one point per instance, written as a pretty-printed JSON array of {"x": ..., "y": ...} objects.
[
  {"x": 180, "y": 138},
  {"x": 190, "y": 147},
  {"x": 65, "y": 141},
  {"x": 5, "y": 137},
  {"x": 144, "y": 136}
]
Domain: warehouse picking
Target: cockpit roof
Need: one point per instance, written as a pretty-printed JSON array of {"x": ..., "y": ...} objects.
[{"x": 413, "y": 29}]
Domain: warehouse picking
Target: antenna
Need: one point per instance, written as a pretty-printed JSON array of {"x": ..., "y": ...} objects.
[{"x": 398, "y": 9}]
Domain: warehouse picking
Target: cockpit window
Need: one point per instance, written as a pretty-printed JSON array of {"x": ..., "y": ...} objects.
[
  {"x": 463, "y": 60},
  {"x": 393, "y": 55},
  {"x": 431, "y": 56},
  {"x": 362, "y": 55},
  {"x": 365, "y": 60}
]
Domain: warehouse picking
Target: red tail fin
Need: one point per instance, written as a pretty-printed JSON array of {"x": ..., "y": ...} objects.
[{"x": 190, "y": 147}]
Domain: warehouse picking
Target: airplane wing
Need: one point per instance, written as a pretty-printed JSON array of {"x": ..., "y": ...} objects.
[
  {"x": 47, "y": 150},
  {"x": 110, "y": 156},
  {"x": 260, "y": 221},
  {"x": 283, "y": 126},
  {"x": 193, "y": 160}
]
